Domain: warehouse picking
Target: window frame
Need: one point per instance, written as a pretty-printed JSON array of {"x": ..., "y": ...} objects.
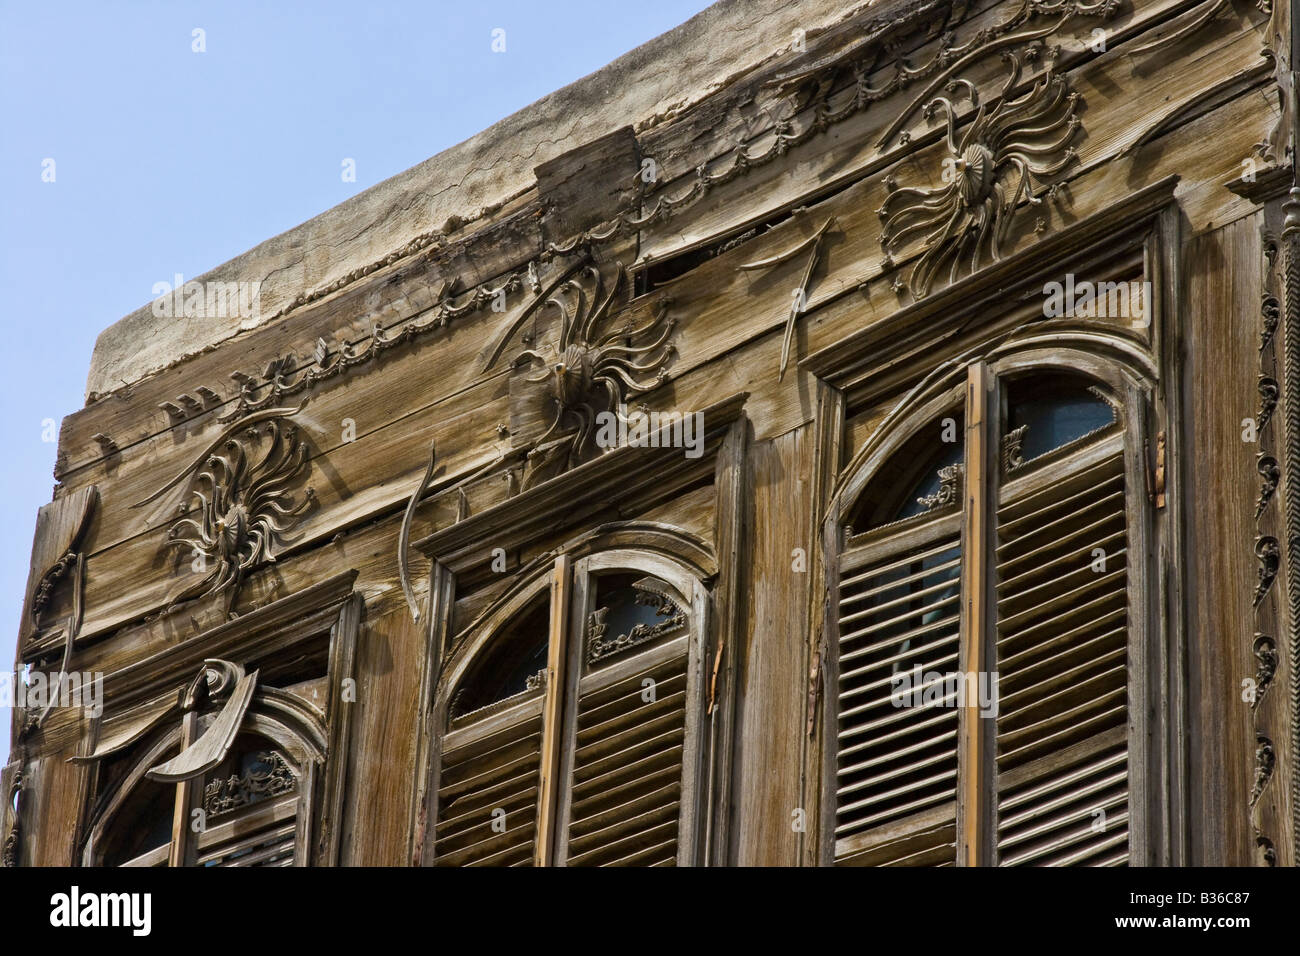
[
  {"x": 926, "y": 338},
  {"x": 568, "y": 576},
  {"x": 138, "y": 714},
  {"x": 984, "y": 392}
]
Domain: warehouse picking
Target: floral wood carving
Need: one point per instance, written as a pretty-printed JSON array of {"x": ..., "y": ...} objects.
[
  {"x": 1269, "y": 555},
  {"x": 1271, "y": 312},
  {"x": 271, "y": 776},
  {"x": 240, "y": 504},
  {"x": 1268, "y": 395},
  {"x": 1270, "y": 474},
  {"x": 1003, "y": 157},
  {"x": 591, "y": 367},
  {"x": 949, "y": 489},
  {"x": 1265, "y": 665},
  {"x": 1265, "y": 759},
  {"x": 648, "y": 593}
]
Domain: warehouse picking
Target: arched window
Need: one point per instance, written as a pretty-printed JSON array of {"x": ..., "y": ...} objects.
[
  {"x": 593, "y": 757},
  {"x": 245, "y": 810},
  {"x": 983, "y": 632},
  {"x": 205, "y": 759}
]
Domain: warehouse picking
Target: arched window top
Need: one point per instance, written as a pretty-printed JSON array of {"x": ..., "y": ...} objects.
[
  {"x": 921, "y": 476},
  {"x": 143, "y": 825},
  {"x": 595, "y": 761},
  {"x": 1047, "y": 412},
  {"x": 1021, "y": 564},
  {"x": 510, "y": 666},
  {"x": 632, "y": 611}
]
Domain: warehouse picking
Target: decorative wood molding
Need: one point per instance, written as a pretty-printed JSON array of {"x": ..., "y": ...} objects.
[
  {"x": 1192, "y": 21},
  {"x": 563, "y": 501},
  {"x": 1290, "y": 244},
  {"x": 240, "y": 504},
  {"x": 589, "y": 369},
  {"x": 855, "y": 361},
  {"x": 142, "y": 696},
  {"x": 648, "y": 592},
  {"x": 57, "y": 556},
  {"x": 1270, "y": 474},
  {"x": 1269, "y": 555},
  {"x": 799, "y": 296},
  {"x": 307, "y": 613},
  {"x": 1005, "y": 156},
  {"x": 1262, "y": 647},
  {"x": 949, "y": 493},
  {"x": 250, "y": 786}
]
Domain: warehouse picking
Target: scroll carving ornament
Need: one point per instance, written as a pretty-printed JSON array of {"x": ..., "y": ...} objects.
[
  {"x": 241, "y": 502},
  {"x": 1005, "y": 156},
  {"x": 270, "y": 776},
  {"x": 648, "y": 593}
]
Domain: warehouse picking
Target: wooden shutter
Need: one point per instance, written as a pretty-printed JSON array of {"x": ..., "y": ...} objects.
[
  {"x": 626, "y": 785},
  {"x": 896, "y": 767},
  {"x": 491, "y": 765},
  {"x": 1062, "y": 643},
  {"x": 260, "y": 835},
  {"x": 633, "y": 747}
]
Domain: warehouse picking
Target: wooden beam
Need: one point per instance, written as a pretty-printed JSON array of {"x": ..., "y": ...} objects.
[
  {"x": 182, "y": 852},
  {"x": 974, "y": 813},
  {"x": 553, "y": 713}
]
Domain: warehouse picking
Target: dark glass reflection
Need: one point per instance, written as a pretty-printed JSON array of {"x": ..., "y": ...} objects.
[{"x": 1054, "y": 414}]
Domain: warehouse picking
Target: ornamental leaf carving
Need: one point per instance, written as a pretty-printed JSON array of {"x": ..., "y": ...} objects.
[
  {"x": 1003, "y": 157},
  {"x": 240, "y": 503},
  {"x": 590, "y": 367},
  {"x": 1270, "y": 556}
]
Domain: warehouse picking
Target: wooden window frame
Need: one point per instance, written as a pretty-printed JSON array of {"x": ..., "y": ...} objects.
[
  {"x": 950, "y": 330},
  {"x": 316, "y": 738},
  {"x": 629, "y": 480},
  {"x": 568, "y": 577}
]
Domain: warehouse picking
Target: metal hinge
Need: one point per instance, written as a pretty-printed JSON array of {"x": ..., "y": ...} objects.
[{"x": 1156, "y": 476}]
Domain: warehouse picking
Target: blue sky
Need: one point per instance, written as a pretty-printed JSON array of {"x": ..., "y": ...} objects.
[{"x": 170, "y": 161}]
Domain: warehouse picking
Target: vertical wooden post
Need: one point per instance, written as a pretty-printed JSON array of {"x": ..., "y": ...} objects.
[
  {"x": 182, "y": 852},
  {"x": 553, "y": 709},
  {"x": 974, "y": 796}
]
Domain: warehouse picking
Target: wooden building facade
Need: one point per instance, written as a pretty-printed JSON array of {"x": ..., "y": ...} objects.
[{"x": 873, "y": 445}]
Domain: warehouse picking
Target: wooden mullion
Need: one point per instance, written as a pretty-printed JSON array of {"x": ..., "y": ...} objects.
[
  {"x": 553, "y": 710},
  {"x": 182, "y": 852},
  {"x": 975, "y": 759}
]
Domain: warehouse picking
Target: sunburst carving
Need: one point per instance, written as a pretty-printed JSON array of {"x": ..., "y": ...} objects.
[
  {"x": 591, "y": 368},
  {"x": 1003, "y": 158},
  {"x": 240, "y": 505}
]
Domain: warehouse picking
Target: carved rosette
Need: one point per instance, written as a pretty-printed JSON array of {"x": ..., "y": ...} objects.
[
  {"x": 241, "y": 505},
  {"x": 1003, "y": 158}
]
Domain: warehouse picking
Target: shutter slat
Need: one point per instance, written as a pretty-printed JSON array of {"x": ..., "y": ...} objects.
[
  {"x": 897, "y": 583},
  {"x": 1062, "y": 659},
  {"x": 627, "y": 777},
  {"x": 501, "y": 771},
  {"x": 944, "y": 624}
]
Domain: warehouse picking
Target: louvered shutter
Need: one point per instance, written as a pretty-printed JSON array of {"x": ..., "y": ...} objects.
[
  {"x": 260, "y": 835},
  {"x": 896, "y": 766},
  {"x": 633, "y": 749},
  {"x": 1062, "y": 644},
  {"x": 492, "y": 765},
  {"x": 626, "y": 786}
]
